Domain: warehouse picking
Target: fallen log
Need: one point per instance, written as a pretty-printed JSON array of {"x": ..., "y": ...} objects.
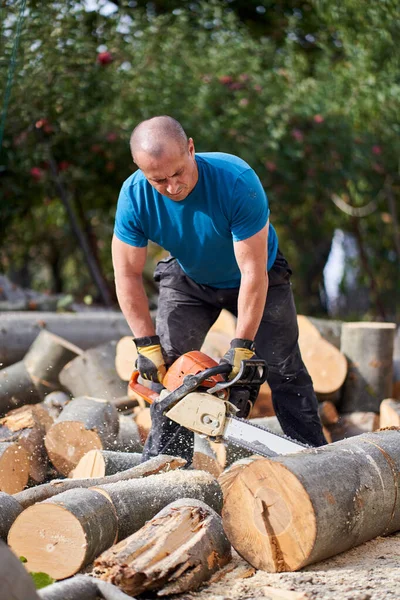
[
  {"x": 389, "y": 413},
  {"x": 14, "y": 467},
  {"x": 82, "y": 587},
  {"x": 27, "y": 381},
  {"x": 329, "y": 329},
  {"x": 84, "y": 424},
  {"x": 63, "y": 534},
  {"x": 143, "y": 421},
  {"x": 263, "y": 406},
  {"x": 159, "y": 464},
  {"x": 175, "y": 552},
  {"x": 101, "y": 463},
  {"x": 291, "y": 516},
  {"x": 93, "y": 374},
  {"x": 16, "y": 583},
  {"x": 128, "y": 439},
  {"x": 351, "y": 424},
  {"x": 369, "y": 350},
  {"x": 55, "y": 402},
  {"x": 136, "y": 502},
  {"x": 326, "y": 365},
  {"x": 27, "y": 427},
  {"x": 9, "y": 511},
  {"x": 86, "y": 330},
  {"x": 328, "y": 413},
  {"x": 125, "y": 357},
  {"x": 204, "y": 457}
]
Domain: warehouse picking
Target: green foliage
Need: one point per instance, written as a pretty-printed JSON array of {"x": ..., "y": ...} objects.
[
  {"x": 40, "y": 580},
  {"x": 307, "y": 93}
]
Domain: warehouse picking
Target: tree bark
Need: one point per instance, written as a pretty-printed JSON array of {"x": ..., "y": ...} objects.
[
  {"x": 84, "y": 424},
  {"x": 369, "y": 350},
  {"x": 136, "y": 502},
  {"x": 204, "y": 457},
  {"x": 101, "y": 463},
  {"x": 93, "y": 374},
  {"x": 63, "y": 534},
  {"x": 14, "y": 467},
  {"x": 296, "y": 510},
  {"x": 351, "y": 424},
  {"x": 389, "y": 413},
  {"x": 175, "y": 552},
  {"x": 87, "y": 330},
  {"x": 16, "y": 583},
  {"x": 82, "y": 587},
  {"x": 128, "y": 439},
  {"x": 9, "y": 511},
  {"x": 159, "y": 464},
  {"x": 329, "y": 329},
  {"x": 55, "y": 402},
  {"x": 328, "y": 413}
]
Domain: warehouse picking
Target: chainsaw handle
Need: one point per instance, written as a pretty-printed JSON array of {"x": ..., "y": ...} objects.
[{"x": 141, "y": 390}]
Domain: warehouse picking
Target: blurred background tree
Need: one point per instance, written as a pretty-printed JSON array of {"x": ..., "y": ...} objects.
[{"x": 306, "y": 92}]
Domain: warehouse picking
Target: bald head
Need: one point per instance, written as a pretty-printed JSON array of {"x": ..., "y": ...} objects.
[{"x": 155, "y": 136}]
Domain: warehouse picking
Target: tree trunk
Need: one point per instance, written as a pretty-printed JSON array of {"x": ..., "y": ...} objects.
[
  {"x": 16, "y": 388},
  {"x": 16, "y": 583},
  {"x": 9, "y": 511},
  {"x": 87, "y": 330},
  {"x": 14, "y": 467},
  {"x": 128, "y": 439},
  {"x": 84, "y": 424},
  {"x": 389, "y": 413},
  {"x": 302, "y": 508},
  {"x": 100, "y": 463},
  {"x": 175, "y": 552},
  {"x": 136, "y": 502},
  {"x": 61, "y": 535},
  {"x": 330, "y": 330},
  {"x": 153, "y": 466},
  {"x": 82, "y": 587},
  {"x": 93, "y": 374},
  {"x": 369, "y": 350}
]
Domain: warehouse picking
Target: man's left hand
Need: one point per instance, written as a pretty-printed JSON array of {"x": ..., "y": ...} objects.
[{"x": 240, "y": 349}]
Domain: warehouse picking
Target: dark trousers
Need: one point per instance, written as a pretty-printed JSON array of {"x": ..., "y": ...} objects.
[{"x": 187, "y": 310}]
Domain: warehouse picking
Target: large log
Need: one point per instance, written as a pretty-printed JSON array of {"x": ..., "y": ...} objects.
[
  {"x": 27, "y": 426},
  {"x": 204, "y": 457},
  {"x": 14, "y": 467},
  {"x": 175, "y": 552},
  {"x": 81, "y": 587},
  {"x": 55, "y": 402},
  {"x": 86, "y": 330},
  {"x": 93, "y": 374},
  {"x": 159, "y": 464},
  {"x": 27, "y": 381},
  {"x": 389, "y": 413},
  {"x": 84, "y": 424},
  {"x": 101, "y": 463},
  {"x": 128, "y": 439},
  {"x": 351, "y": 424},
  {"x": 329, "y": 329},
  {"x": 137, "y": 501},
  {"x": 302, "y": 508},
  {"x": 369, "y": 350},
  {"x": 63, "y": 534},
  {"x": 15, "y": 582},
  {"x": 125, "y": 357},
  {"x": 10, "y": 508}
]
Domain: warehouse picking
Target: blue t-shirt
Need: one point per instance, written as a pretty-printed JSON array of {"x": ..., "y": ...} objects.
[{"x": 227, "y": 204}]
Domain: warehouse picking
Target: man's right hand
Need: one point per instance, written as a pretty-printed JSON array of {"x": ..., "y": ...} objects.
[{"x": 150, "y": 361}]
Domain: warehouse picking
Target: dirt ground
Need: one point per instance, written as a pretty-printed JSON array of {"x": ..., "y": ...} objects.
[{"x": 369, "y": 572}]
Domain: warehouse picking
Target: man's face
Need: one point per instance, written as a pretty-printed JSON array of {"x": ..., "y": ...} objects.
[{"x": 174, "y": 174}]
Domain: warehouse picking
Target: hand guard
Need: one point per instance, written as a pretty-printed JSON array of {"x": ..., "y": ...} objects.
[
  {"x": 240, "y": 350},
  {"x": 150, "y": 361}
]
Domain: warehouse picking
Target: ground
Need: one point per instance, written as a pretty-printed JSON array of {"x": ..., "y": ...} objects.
[{"x": 369, "y": 572}]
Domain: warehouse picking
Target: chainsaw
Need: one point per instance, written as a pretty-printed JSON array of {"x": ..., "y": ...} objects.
[{"x": 198, "y": 397}]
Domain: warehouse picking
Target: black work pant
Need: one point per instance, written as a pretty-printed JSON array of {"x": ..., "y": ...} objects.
[{"x": 187, "y": 310}]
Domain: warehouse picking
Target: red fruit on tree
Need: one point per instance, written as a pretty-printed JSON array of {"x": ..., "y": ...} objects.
[
  {"x": 104, "y": 58},
  {"x": 36, "y": 173}
]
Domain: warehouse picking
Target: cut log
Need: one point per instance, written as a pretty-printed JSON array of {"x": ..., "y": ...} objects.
[
  {"x": 216, "y": 344},
  {"x": 86, "y": 330},
  {"x": 295, "y": 509},
  {"x": 93, "y": 374},
  {"x": 10, "y": 508},
  {"x": 159, "y": 464},
  {"x": 175, "y": 552},
  {"x": 16, "y": 583},
  {"x": 101, "y": 463},
  {"x": 204, "y": 457},
  {"x": 326, "y": 365},
  {"x": 369, "y": 350},
  {"x": 351, "y": 424},
  {"x": 263, "y": 406},
  {"x": 328, "y": 413},
  {"x": 28, "y": 381},
  {"x": 136, "y": 502},
  {"x": 125, "y": 403},
  {"x": 55, "y": 402},
  {"x": 143, "y": 421},
  {"x": 61, "y": 535},
  {"x": 329, "y": 329},
  {"x": 84, "y": 424},
  {"x": 125, "y": 357},
  {"x": 27, "y": 427},
  {"x": 389, "y": 413},
  {"x": 82, "y": 587},
  {"x": 128, "y": 439},
  {"x": 14, "y": 467}
]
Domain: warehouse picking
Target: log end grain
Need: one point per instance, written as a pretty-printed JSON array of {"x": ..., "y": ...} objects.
[
  {"x": 14, "y": 468},
  {"x": 67, "y": 442}
]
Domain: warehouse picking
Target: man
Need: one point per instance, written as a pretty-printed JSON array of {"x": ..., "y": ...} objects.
[{"x": 211, "y": 213}]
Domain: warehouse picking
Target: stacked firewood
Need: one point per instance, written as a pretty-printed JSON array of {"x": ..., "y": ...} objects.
[{"x": 75, "y": 496}]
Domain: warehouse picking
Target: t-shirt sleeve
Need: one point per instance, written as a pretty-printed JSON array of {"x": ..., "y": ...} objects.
[
  {"x": 250, "y": 210},
  {"x": 127, "y": 226}
]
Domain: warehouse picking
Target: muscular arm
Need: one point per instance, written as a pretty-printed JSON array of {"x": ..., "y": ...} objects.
[
  {"x": 128, "y": 262},
  {"x": 252, "y": 255}
]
